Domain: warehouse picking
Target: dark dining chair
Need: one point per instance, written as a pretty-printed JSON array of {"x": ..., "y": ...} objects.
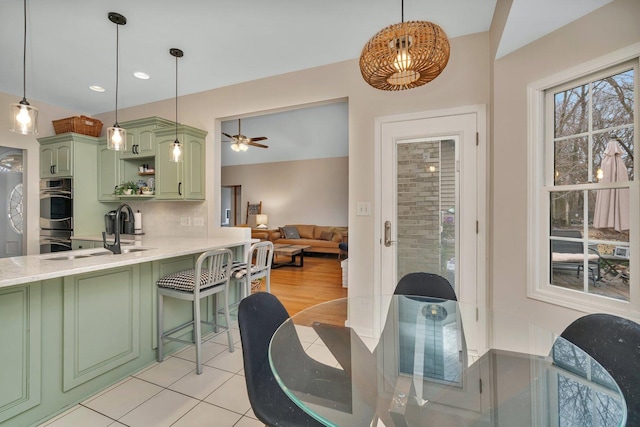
[
  {"x": 427, "y": 285},
  {"x": 259, "y": 315},
  {"x": 614, "y": 342}
]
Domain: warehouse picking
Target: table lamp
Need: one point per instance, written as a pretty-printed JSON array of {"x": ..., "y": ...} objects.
[{"x": 262, "y": 220}]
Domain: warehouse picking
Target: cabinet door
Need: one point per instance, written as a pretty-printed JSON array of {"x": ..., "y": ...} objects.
[
  {"x": 56, "y": 160},
  {"x": 101, "y": 323},
  {"x": 20, "y": 370},
  {"x": 108, "y": 173},
  {"x": 140, "y": 142},
  {"x": 169, "y": 185},
  {"x": 194, "y": 182},
  {"x": 47, "y": 160},
  {"x": 64, "y": 159}
]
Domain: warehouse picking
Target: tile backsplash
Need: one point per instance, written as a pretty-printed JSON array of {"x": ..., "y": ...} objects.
[{"x": 171, "y": 218}]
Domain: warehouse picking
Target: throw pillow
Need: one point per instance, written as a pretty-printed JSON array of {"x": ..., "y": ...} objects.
[
  {"x": 290, "y": 232},
  {"x": 326, "y": 235}
]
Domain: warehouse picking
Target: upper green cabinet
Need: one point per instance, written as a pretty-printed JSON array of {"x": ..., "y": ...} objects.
[
  {"x": 140, "y": 137},
  {"x": 59, "y": 154},
  {"x": 71, "y": 155},
  {"x": 56, "y": 157},
  {"x": 183, "y": 180},
  {"x": 149, "y": 142},
  {"x": 109, "y": 174}
]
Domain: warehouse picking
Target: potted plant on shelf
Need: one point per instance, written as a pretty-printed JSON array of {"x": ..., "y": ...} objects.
[{"x": 126, "y": 189}]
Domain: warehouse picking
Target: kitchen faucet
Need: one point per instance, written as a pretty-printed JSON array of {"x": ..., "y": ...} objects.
[{"x": 115, "y": 247}]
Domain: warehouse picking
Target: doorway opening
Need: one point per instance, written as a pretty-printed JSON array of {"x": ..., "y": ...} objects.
[{"x": 230, "y": 205}]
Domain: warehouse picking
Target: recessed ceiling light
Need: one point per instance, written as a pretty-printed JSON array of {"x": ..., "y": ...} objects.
[
  {"x": 141, "y": 75},
  {"x": 96, "y": 88}
]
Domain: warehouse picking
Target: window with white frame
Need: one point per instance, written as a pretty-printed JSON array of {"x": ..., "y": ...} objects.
[{"x": 584, "y": 192}]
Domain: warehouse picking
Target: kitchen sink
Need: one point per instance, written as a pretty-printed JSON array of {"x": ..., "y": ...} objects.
[
  {"x": 67, "y": 257},
  {"x": 71, "y": 256},
  {"x": 105, "y": 252},
  {"x": 126, "y": 250}
]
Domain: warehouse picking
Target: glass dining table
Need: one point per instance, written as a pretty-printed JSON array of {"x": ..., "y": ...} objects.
[{"x": 418, "y": 373}]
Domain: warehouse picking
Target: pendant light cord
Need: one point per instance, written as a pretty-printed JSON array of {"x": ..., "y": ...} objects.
[
  {"x": 24, "y": 56},
  {"x": 117, "y": 67},
  {"x": 176, "y": 99},
  {"x": 402, "y": 15}
]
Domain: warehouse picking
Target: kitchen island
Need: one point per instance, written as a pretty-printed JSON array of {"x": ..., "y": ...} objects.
[{"x": 73, "y": 323}]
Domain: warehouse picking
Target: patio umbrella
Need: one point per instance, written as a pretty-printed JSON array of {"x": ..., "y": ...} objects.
[{"x": 612, "y": 205}]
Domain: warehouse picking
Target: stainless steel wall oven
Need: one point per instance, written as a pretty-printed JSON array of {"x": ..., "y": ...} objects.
[{"x": 56, "y": 214}]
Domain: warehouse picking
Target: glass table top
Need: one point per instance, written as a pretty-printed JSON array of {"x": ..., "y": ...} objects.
[{"x": 419, "y": 373}]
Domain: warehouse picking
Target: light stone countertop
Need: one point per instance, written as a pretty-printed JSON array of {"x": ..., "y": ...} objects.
[{"x": 32, "y": 268}]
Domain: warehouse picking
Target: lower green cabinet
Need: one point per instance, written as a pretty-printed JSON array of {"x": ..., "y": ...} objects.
[
  {"x": 101, "y": 323},
  {"x": 20, "y": 334}
]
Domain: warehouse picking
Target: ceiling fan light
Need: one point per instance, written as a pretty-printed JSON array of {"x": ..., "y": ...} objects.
[
  {"x": 235, "y": 147},
  {"x": 243, "y": 146}
]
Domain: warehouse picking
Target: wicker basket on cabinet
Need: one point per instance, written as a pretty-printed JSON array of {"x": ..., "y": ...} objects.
[{"x": 78, "y": 124}]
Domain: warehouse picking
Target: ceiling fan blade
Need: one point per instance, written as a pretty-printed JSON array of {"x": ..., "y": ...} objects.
[
  {"x": 255, "y": 144},
  {"x": 227, "y": 135},
  {"x": 258, "y": 138}
]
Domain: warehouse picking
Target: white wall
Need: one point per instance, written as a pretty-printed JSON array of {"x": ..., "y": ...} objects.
[
  {"x": 295, "y": 192},
  {"x": 612, "y": 27}
]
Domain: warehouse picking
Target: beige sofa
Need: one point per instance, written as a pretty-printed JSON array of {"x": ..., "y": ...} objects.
[{"x": 322, "y": 239}]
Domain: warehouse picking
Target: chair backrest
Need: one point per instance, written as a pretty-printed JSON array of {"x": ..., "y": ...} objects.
[
  {"x": 217, "y": 266},
  {"x": 426, "y": 285},
  {"x": 615, "y": 343},
  {"x": 259, "y": 257},
  {"x": 259, "y": 315},
  {"x": 565, "y": 247}
]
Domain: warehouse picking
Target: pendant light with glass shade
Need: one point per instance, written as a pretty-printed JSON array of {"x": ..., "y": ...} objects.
[
  {"x": 117, "y": 136},
  {"x": 176, "y": 149},
  {"x": 23, "y": 116}
]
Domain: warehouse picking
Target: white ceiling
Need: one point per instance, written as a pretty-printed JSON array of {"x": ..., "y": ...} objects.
[{"x": 71, "y": 43}]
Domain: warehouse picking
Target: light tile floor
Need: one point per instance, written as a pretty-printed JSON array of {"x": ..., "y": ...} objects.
[{"x": 172, "y": 394}]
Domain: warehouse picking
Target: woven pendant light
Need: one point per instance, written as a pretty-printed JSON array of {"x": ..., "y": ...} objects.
[{"x": 405, "y": 55}]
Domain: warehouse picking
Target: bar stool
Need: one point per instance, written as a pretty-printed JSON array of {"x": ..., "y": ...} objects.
[
  {"x": 257, "y": 264},
  {"x": 211, "y": 274}
]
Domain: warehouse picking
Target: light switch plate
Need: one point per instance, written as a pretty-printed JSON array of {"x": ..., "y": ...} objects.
[
  {"x": 185, "y": 221},
  {"x": 363, "y": 209}
]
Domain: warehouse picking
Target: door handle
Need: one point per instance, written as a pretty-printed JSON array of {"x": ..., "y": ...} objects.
[
  {"x": 180, "y": 188},
  {"x": 387, "y": 234}
]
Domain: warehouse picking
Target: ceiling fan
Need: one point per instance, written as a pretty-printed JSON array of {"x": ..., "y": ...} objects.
[{"x": 241, "y": 142}]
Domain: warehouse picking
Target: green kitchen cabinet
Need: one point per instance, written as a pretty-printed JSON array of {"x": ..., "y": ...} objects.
[
  {"x": 109, "y": 174},
  {"x": 74, "y": 156},
  {"x": 101, "y": 323},
  {"x": 20, "y": 353},
  {"x": 140, "y": 137},
  {"x": 183, "y": 180},
  {"x": 56, "y": 157}
]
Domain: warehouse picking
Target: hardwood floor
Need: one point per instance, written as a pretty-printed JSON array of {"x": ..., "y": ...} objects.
[{"x": 298, "y": 288}]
